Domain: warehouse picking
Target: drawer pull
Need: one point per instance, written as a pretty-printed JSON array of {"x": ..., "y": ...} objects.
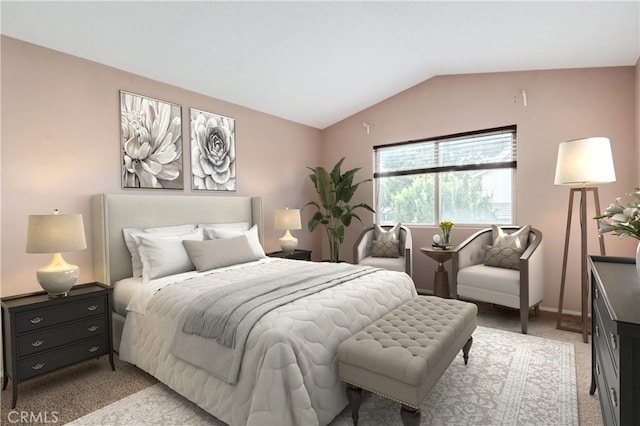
[
  {"x": 37, "y": 343},
  {"x": 614, "y": 341},
  {"x": 92, "y": 307},
  {"x": 36, "y": 320},
  {"x": 93, "y": 328},
  {"x": 614, "y": 397},
  {"x": 94, "y": 348},
  {"x": 598, "y": 368},
  {"x": 37, "y": 366},
  {"x": 597, "y": 331}
]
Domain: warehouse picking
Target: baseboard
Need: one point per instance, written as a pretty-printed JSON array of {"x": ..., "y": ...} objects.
[{"x": 548, "y": 309}]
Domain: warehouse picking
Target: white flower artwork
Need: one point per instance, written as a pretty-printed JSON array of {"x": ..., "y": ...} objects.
[
  {"x": 151, "y": 143},
  {"x": 213, "y": 151}
]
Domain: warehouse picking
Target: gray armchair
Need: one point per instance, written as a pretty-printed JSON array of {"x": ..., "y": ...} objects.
[
  {"x": 362, "y": 251},
  {"x": 520, "y": 289}
]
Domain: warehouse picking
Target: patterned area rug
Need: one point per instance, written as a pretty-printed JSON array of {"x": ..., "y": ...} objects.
[{"x": 511, "y": 379}]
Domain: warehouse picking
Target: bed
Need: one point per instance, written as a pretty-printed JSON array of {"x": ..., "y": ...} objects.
[{"x": 287, "y": 373}]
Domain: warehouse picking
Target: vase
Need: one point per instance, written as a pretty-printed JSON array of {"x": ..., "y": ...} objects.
[
  {"x": 638, "y": 260},
  {"x": 446, "y": 237}
]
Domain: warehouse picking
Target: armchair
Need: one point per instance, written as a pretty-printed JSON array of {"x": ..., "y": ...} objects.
[
  {"x": 363, "y": 247},
  {"x": 520, "y": 289}
]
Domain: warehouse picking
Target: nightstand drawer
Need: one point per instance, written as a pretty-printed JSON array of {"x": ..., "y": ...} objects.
[
  {"x": 39, "y": 318},
  {"x": 69, "y": 355},
  {"x": 50, "y": 338}
]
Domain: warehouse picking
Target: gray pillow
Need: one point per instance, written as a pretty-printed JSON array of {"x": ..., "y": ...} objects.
[
  {"x": 385, "y": 248},
  {"x": 503, "y": 257},
  {"x": 211, "y": 254}
]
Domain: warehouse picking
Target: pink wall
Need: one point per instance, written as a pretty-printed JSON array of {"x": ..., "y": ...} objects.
[
  {"x": 60, "y": 145},
  {"x": 562, "y": 105}
]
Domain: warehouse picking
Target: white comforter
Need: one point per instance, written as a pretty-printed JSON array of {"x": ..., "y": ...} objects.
[{"x": 289, "y": 371}]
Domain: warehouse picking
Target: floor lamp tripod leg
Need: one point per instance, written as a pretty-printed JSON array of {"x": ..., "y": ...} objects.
[{"x": 564, "y": 261}]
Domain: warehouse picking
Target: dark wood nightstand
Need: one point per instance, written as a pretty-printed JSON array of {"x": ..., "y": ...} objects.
[
  {"x": 42, "y": 335},
  {"x": 297, "y": 254}
]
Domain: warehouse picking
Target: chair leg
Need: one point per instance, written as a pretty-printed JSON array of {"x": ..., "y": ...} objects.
[{"x": 524, "y": 318}]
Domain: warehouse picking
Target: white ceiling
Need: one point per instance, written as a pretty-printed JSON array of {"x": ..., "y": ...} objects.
[{"x": 317, "y": 63}]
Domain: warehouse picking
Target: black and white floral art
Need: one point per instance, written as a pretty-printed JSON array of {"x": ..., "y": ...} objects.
[
  {"x": 213, "y": 152},
  {"x": 151, "y": 143}
]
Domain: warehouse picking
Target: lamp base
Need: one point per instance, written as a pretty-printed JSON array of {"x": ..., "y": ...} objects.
[
  {"x": 57, "y": 277},
  {"x": 288, "y": 243}
]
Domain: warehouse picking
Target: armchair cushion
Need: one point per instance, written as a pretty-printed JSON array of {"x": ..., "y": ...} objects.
[
  {"x": 497, "y": 285},
  {"x": 385, "y": 248}
]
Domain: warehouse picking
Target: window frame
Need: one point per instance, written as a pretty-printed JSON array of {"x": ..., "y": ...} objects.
[{"x": 438, "y": 170}]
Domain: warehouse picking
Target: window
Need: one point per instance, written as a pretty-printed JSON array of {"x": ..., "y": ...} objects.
[{"x": 468, "y": 178}]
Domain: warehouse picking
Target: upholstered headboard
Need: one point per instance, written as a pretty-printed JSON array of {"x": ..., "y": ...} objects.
[{"x": 112, "y": 212}]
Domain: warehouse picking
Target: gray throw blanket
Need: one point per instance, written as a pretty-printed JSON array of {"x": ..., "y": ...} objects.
[
  {"x": 228, "y": 313},
  {"x": 218, "y": 313}
]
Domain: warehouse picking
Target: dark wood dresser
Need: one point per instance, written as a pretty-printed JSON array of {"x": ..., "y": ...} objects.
[
  {"x": 42, "y": 335},
  {"x": 615, "y": 343}
]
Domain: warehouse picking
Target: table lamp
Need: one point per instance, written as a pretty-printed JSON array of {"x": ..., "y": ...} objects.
[
  {"x": 286, "y": 220},
  {"x": 582, "y": 163},
  {"x": 55, "y": 234}
]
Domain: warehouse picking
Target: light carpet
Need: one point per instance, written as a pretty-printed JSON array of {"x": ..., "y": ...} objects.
[{"x": 511, "y": 379}]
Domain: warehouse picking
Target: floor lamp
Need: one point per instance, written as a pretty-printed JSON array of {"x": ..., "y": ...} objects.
[{"x": 582, "y": 163}]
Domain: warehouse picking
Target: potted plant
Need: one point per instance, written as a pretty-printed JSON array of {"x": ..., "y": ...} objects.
[
  {"x": 624, "y": 220},
  {"x": 335, "y": 191}
]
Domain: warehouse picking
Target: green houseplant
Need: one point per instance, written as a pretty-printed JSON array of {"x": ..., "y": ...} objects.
[{"x": 335, "y": 190}]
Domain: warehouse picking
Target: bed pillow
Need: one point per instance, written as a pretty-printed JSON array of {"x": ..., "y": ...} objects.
[
  {"x": 385, "y": 248},
  {"x": 131, "y": 243},
  {"x": 216, "y": 253},
  {"x": 252, "y": 237},
  {"x": 233, "y": 226},
  {"x": 165, "y": 255}
]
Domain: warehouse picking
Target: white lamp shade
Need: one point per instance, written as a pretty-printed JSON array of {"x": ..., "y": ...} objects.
[
  {"x": 55, "y": 233},
  {"x": 585, "y": 161},
  {"x": 286, "y": 219}
]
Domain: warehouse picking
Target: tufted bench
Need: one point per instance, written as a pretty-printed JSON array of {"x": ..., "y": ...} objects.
[{"x": 403, "y": 354}]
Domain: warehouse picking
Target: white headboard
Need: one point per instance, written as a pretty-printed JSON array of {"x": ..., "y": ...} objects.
[{"x": 112, "y": 212}]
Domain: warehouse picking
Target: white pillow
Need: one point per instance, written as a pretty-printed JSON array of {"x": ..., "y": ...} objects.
[
  {"x": 216, "y": 253},
  {"x": 165, "y": 255},
  {"x": 129, "y": 239},
  {"x": 516, "y": 240},
  {"x": 393, "y": 234},
  {"x": 252, "y": 237},
  {"x": 233, "y": 226}
]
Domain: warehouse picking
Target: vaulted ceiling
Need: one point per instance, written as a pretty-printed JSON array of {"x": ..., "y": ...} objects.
[{"x": 317, "y": 63}]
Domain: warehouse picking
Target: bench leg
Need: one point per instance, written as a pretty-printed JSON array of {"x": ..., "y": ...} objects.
[
  {"x": 354, "y": 396},
  {"x": 410, "y": 416},
  {"x": 466, "y": 348}
]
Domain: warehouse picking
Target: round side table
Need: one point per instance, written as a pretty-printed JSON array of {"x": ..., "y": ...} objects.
[{"x": 440, "y": 276}]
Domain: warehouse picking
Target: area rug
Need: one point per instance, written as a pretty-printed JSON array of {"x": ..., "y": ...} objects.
[{"x": 511, "y": 379}]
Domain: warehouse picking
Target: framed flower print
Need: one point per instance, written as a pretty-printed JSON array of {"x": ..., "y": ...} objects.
[
  {"x": 213, "y": 152},
  {"x": 151, "y": 142}
]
